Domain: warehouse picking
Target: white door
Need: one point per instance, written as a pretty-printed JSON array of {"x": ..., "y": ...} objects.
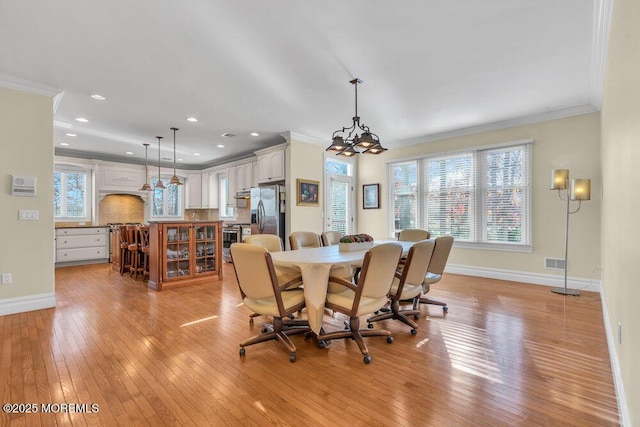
[{"x": 339, "y": 205}]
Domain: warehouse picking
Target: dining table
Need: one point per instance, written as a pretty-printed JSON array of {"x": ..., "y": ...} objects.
[{"x": 316, "y": 265}]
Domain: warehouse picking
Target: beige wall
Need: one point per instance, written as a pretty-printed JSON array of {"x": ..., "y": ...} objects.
[
  {"x": 620, "y": 207},
  {"x": 572, "y": 143},
  {"x": 304, "y": 161},
  {"x": 27, "y": 250}
]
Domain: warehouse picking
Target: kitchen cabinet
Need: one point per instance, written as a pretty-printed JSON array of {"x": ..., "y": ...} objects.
[
  {"x": 204, "y": 191},
  {"x": 194, "y": 191},
  {"x": 231, "y": 182},
  {"x": 214, "y": 191},
  {"x": 271, "y": 165},
  {"x": 244, "y": 176},
  {"x": 184, "y": 253},
  {"x": 82, "y": 245}
]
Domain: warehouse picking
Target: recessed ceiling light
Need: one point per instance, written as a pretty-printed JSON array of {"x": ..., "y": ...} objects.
[
  {"x": 64, "y": 143},
  {"x": 129, "y": 152},
  {"x": 82, "y": 120},
  {"x": 192, "y": 119},
  {"x": 196, "y": 154},
  {"x": 220, "y": 146},
  {"x": 71, "y": 134},
  {"x": 255, "y": 134},
  {"x": 98, "y": 97}
]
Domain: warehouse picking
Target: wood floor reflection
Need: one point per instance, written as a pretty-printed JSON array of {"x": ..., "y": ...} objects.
[{"x": 505, "y": 354}]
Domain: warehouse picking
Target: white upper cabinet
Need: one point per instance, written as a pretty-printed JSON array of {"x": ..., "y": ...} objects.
[
  {"x": 231, "y": 179},
  {"x": 194, "y": 191},
  {"x": 244, "y": 176},
  {"x": 270, "y": 165},
  {"x": 214, "y": 191}
]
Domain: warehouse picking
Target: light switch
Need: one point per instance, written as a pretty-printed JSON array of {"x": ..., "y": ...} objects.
[{"x": 29, "y": 215}]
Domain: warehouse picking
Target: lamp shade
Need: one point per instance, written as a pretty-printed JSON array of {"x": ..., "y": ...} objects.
[
  {"x": 580, "y": 189},
  {"x": 559, "y": 178}
]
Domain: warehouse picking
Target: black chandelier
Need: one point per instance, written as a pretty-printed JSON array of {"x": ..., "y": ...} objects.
[{"x": 346, "y": 141}]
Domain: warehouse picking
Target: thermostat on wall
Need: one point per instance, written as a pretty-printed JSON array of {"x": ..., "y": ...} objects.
[{"x": 23, "y": 185}]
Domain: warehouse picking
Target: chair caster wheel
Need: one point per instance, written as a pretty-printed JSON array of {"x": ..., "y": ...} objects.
[
  {"x": 413, "y": 332},
  {"x": 416, "y": 316},
  {"x": 322, "y": 344},
  {"x": 264, "y": 330},
  {"x": 292, "y": 357},
  {"x": 242, "y": 351},
  {"x": 367, "y": 359},
  {"x": 389, "y": 339},
  {"x": 445, "y": 309},
  {"x": 370, "y": 325}
]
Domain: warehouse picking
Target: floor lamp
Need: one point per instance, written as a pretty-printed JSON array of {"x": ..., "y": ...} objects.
[{"x": 578, "y": 190}]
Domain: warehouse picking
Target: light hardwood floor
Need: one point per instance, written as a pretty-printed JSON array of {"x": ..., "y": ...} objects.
[{"x": 505, "y": 354}]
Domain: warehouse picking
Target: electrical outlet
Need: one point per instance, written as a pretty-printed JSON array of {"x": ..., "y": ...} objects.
[{"x": 6, "y": 278}]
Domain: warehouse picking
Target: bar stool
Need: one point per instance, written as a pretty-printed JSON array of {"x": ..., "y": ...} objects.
[
  {"x": 125, "y": 256},
  {"x": 144, "y": 249},
  {"x": 133, "y": 237}
]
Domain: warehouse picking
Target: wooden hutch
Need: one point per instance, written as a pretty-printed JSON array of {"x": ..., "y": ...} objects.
[{"x": 184, "y": 253}]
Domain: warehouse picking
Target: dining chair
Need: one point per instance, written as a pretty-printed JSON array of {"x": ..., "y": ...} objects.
[
  {"x": 368, "y": 296},
  {"x": 331, "y": 238},
  {"x": 270, "y": 242},
  {"x": 407, "y": 285},
  {"x": 437, "y": 265},
  {"x": 413, "y": 235},
  {"x": 304, "y": 239},
  {"x": 264, "y": 294}
]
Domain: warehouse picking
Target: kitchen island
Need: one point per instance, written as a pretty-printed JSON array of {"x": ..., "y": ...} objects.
[{"x": 183, "y": 253}]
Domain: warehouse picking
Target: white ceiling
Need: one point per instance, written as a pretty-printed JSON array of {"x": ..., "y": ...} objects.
[{"x": 430, "y": 67}]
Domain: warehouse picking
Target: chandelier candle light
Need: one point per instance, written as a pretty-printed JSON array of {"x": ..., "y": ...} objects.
[
  {"x": 357, "y": 135},
  {"x": 159, "y": 184},
  {"x": 146, "y": 186},
  {"x": 578, "y": 190},
  {"x": 174, "y": 179}
]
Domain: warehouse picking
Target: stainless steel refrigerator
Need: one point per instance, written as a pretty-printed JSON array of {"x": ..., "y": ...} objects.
[{"x": 267, "y": 210}]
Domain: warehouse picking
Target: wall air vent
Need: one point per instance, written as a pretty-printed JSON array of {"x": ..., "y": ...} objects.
[
  {"x": 228, "y": 135},
  {"x": 554, "y": 263}
]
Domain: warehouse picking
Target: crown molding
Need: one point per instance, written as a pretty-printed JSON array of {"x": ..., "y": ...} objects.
[
  {"x": 11, "y": 82},
  {"x": 503, "y": 124},
  {"x": 308, "y": 139},
  {"x": 602, "y": 10}
]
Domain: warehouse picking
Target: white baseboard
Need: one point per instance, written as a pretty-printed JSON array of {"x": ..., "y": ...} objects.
[
  {"x": 526, "y": 277},
  {"x": 623, "y": 409},
  {"x": 28, "y": 303}
]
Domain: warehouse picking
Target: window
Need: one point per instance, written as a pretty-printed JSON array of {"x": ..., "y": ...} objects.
[
  {"x": 166, "y": 203},
  {"x": 71, "y": 194},
  {"x": 338, "y": 197},
  {"x": 225, "y": 210},
  {"x": 481, "y": 197}
]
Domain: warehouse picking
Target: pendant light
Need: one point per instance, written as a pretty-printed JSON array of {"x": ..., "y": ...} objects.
[
  {"x": 174, "y": 179},
  {"x": 159, "y": 184},
  {"x": 146, "y": 186},
  {"x": 357, "y": 135}
]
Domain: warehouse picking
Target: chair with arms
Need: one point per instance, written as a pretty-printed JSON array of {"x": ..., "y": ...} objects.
[
  {"x": 304, "y": 239},
  {"x": 331, "y": 238},
  {"x": 434, "y": 272},
  {"x": 270, "y": 242},
  {"x": 413, "y": 235},
  {"x": 263, "y": 293},
  {"x": 407, "y": 285},
  {"x": 369, "y": 295}
]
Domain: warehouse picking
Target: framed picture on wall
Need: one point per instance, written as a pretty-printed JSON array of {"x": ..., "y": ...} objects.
[
  {"x": 371, "y": 196},
  {"x": 308, "y": 192}
]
